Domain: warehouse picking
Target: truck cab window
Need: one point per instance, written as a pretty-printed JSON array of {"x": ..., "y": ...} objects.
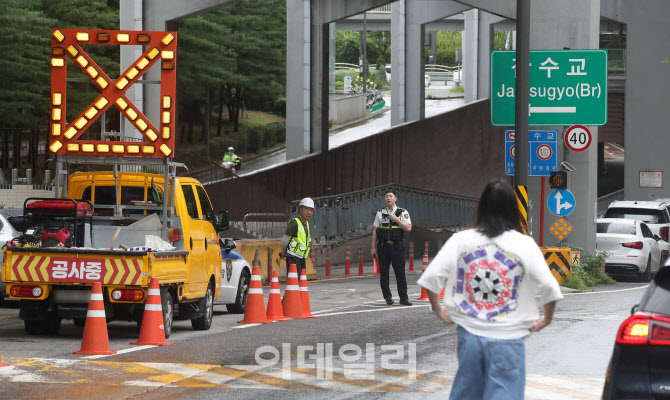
[
  {"x": 191, "y": 204},
  {"x": 205, "y": 205},
  {"x": 104, "y": 195}
]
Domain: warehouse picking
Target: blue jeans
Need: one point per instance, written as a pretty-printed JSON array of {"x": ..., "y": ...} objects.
[{"x": 489, "y": 369}]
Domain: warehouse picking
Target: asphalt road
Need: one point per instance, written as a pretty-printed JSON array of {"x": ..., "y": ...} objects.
[{"x": 567, "y": 360}]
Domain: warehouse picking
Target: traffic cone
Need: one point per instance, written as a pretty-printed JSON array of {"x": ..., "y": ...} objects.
[
  {"x": 275, "y": 312},
  {"x": 292, "y": 302},
  {"x": 95, "y": 340},
  {"x": 3, "y": 364},
  {"x": 424, "y": 293},
  {"x": 152, "y": 331},
  {"x": 255, "y": 312},
  {"x": 304, "y": 295},
  {"x": 347, "y": 261},
  {"x": 411, "y": 256},
  {"x": 360, "y": 260}
]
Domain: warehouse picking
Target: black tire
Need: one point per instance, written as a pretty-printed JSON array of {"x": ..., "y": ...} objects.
[
  {"x": 242, "y": 292},
  {"x": 206, "y": 304},
  {"x": 646, "y": 275},
  {"x": 32, "y": 326},
  {"x": 167, "y": 304},
  {"x": 51, "y": 325},
  {"x": 79, "y": 322}
]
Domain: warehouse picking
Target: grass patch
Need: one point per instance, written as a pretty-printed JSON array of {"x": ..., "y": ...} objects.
[
  {"x": 590, "y": 273},
  {"x": 458, "y": 89}
]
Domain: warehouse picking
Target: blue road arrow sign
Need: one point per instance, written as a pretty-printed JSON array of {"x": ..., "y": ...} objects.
[
  {"x": 542, "y": 152},
  {"x": 561, "y": 202}
]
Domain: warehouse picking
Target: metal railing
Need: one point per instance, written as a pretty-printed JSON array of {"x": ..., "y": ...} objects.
[
  {"x": 266, "y": 225},
  {"x": 338, "y": 214},
  {"x": 604, "y": 202},
  {"x": 382, "y": 9}
]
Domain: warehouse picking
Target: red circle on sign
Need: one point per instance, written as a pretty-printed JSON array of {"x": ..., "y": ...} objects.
[
  {"x": 510, "y": 135},
  {"x": 511, "y": 151},
  {"x": 578, "y": 138},
  {"x": 544, "y": 152}
]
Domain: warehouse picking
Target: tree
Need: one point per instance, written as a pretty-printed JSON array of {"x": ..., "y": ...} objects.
[
  {"x": 26, "y": 48},
  {"x": 446, "y": 44},
  {"x": 347, "y": 47},
  {"x": 381, "y": 67}
]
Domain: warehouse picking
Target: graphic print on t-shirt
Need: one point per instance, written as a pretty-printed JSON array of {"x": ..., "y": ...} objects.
[{"x": 487, "y": 282}]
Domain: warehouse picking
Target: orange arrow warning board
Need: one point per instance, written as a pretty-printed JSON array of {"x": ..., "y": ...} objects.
[{"x": 66, "y": 43}]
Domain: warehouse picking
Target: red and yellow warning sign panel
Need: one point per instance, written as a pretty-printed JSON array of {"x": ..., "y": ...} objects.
[
  {"x": 109, "y": 271},
  {"x": 160, "y": 46}
]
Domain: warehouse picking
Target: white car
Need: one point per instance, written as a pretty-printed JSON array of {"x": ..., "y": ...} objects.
[
  {"x": 632, "y": 248},
  {"x": 656, "y": 214},
  {"x": 235, "y": 278}
]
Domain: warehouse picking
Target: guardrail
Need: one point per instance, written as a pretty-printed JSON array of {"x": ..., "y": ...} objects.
[
  {"x": 338, "y": 214},
  {"x": 604, "y": 202}
]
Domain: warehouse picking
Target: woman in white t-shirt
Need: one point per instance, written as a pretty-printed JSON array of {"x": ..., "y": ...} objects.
[{"x": 491, "y": 276}]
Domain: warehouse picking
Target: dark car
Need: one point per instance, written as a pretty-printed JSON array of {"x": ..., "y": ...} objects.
[{"x": 640, "y": 364}]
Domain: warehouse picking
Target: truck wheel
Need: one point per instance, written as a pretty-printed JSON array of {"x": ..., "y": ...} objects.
[
  {"x": 242, "y": 292},
  {"x": 33, "y": 327},
  {"x": 168, "y": 310},
  {"x": 51, "y": 325},
  {"x": 206, "y": 304}
]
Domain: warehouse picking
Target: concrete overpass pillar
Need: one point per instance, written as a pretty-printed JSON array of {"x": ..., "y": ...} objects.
[
  {"x": 408, "y": 54},
  {"x": 477, "y": 45},
  {"x": 574, "y": 24}
]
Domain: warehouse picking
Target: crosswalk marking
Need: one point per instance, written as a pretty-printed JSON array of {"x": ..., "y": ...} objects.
[{"x": 88, "y": 373}]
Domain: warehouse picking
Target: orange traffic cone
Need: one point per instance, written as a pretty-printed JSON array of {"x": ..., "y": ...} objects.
[
  {"x": 3, "y": 364},
  {"x": 152, "y": 331},
  {"x": 275, "y": 312},
  {"x": 255, "y": 312},
  {"x": 292, "y": 301},
  {"x": 304, "y": 295},
  {"x": 424, "y": 293},
  {"x": 95, "y": 340}
]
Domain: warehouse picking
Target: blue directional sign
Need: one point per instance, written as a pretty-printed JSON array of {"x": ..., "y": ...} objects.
[
  {"x": 561, "y": 202},
  {"x": 542, "y": 152}
]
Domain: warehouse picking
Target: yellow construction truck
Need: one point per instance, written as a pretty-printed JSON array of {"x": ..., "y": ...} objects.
[
  {"x": 118, "y": 227},
  {"x": 108, "y": 228}
]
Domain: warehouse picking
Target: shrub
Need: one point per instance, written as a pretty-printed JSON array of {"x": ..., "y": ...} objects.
[
  {"x": 254, "y": 140},
  {"x": 339, "y": 85},
  {"x": 590, "y": 272},
  {"x": 277, "y": 130},
  {"x": 381, "y": 68}
]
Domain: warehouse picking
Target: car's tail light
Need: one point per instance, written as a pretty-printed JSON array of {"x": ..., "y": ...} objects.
[
  {"x": 127, "y": 295},
  {"x": 665, "y": 232},
  {"x": 644, "y": 329},
  {"x": 26, "y": 291},
  {"x": 633, "y": 245}
]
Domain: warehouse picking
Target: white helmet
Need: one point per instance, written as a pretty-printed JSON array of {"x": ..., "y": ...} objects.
[
  {"x": 306, "y": 202},
  {"x": 231, "y": 149}
]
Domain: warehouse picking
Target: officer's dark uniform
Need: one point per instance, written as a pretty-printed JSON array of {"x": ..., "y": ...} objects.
[{"x": 391, "y": 250}]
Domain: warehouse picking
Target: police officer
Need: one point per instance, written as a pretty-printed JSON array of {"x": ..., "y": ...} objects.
[
  {"x": 296, "y": 241},
  {"x": 391, "y": 223}
]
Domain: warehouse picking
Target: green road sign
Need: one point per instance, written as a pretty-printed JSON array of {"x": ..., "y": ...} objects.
[{"x": 567, "y": 87}]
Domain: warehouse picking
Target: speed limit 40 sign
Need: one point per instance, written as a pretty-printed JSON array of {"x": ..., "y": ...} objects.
[{"x": 578, "y": 138}]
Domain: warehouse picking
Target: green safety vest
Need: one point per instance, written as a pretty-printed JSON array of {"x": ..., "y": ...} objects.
[
  {"x": 228, "y": 157},
  {"x": 390, "y": 230},
  {"x": 299, "y": 245}
]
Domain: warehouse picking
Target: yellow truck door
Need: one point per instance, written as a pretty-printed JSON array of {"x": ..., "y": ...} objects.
[
  {"x": 213, "y": 256},
  {"x": 196, "y": 241}
]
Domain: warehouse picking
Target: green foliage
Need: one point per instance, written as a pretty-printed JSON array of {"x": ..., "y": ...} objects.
[
  {"x": 339, "y": 85},
  {"x": 25, "y": 29},
  {"x": 276, "y": 131},
  {"x": 590, "y": 273},
  {"x": 446, "y": 44},
  {"x": 254, "y": 140},
  {"x": 457, "y": 89}
]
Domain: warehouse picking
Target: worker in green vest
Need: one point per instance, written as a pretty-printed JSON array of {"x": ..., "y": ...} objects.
[
  {"x": 230, "y": 156},
  {"x": 296, "y": 242}
]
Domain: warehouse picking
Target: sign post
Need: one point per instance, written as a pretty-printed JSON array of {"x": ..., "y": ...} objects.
[{"x": 567, "y": 87}]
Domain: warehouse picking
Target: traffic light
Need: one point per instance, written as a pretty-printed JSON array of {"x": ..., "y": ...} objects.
[{"x": 558, "y": 180}]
